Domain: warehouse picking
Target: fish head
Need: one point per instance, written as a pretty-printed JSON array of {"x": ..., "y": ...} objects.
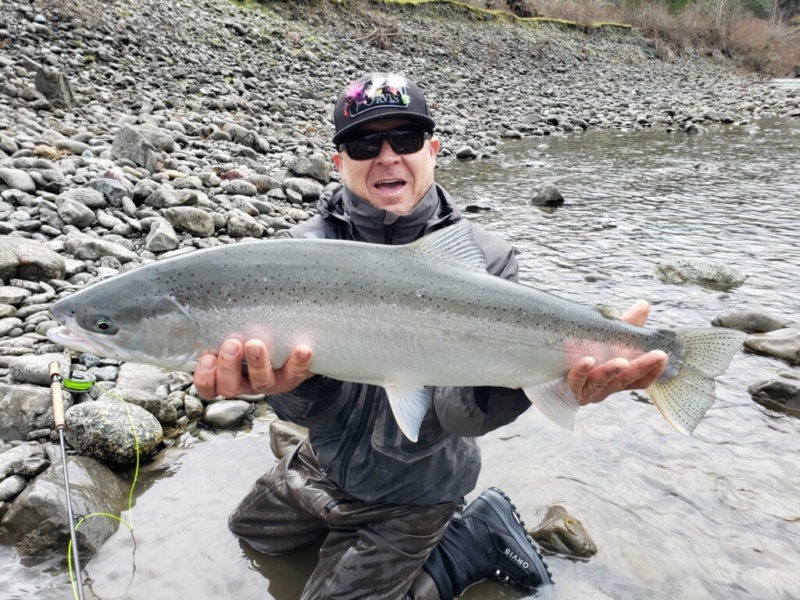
[{"x": 112, "y": 321}]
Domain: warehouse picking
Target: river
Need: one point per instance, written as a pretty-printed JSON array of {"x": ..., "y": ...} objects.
[{"x": 711, "y": 516}]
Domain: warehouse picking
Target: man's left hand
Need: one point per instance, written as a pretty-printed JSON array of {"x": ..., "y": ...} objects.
[{"x": 594, "y": 383}]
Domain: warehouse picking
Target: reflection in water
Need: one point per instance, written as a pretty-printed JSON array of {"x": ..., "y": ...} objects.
[{"x": 711, "y": 516}]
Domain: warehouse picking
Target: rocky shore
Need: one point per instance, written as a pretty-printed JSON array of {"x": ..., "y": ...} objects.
[{"x": 134, "y": 132}]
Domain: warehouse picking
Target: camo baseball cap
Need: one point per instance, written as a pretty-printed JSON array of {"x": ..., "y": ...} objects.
[{"x": 379, "y": 96}]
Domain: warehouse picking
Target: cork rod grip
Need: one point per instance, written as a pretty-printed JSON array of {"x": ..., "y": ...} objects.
[{"x": 55, "y": 392}]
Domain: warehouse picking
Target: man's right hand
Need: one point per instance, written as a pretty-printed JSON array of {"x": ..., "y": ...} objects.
[{"x": 221, "y": 375}]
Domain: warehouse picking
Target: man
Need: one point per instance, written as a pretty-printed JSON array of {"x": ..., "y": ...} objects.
[{"x": 387, "y": 507}]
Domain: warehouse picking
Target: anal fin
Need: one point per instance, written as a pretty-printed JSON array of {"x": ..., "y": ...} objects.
[{"x": 409, "y": 406}]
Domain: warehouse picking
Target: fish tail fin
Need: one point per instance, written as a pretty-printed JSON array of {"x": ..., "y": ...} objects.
[
  {"x": 555, "y": 400},
  {"x": 684, "y": 397}
]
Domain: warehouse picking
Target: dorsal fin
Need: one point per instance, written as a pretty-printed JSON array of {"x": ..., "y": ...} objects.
[{"x": 454, "y": 244}]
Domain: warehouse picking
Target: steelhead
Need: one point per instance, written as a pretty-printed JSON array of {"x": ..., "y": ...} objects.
[{"x": 401, "y": 317}]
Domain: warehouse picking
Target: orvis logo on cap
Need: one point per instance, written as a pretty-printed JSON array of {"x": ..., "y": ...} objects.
[{"x": 378, "y": 92}]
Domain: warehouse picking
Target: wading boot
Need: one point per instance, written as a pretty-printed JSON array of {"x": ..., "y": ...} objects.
[{"x": 500, "y": 533}]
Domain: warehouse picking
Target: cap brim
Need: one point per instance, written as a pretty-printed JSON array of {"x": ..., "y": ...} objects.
[{"x": 381, "y": 114}]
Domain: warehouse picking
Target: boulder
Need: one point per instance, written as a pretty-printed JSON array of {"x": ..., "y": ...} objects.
[
  {"x": 55, "y": 86},
  {"x": 195, "y": 221},
  {"x": 748, "y": 320},
  {"x": 160, "y": 408},
  {"x": 781, "y": 343},
  {"x": 37, "y": 521},
  {"x": 103, "y": 431},
  {"x": 545, "y": 194},
  {"x": 130, "y": 144},
  {"x": 26, "y": 408},
  {"x": 29, "y": 259},
  {"x": 26, "y": 460},
  {"x": 704, "y": 273},
  {"x": 781, "y": 394},
  {"x": 35, "y": 368}
]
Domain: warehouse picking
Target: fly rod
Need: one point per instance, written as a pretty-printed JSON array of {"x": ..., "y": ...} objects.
[{"x": 60, "y": 422}]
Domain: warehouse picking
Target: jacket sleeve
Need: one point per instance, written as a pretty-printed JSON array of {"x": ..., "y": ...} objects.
[
  {"x": 469, "y": 411},
  {"x": 310, "y": 402}
]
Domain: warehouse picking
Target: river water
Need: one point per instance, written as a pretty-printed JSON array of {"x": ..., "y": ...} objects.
[{"x": 711, "y": 516}]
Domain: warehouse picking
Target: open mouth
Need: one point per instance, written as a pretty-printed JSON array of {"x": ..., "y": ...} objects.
[{"x": 390, "y": 185}]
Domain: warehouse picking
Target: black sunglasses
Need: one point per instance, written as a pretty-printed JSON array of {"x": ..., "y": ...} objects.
[{"x": 366, "y": 145}]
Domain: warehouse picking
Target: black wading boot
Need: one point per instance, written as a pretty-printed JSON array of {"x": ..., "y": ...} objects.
[
  {"x": 501, "y": 534},
  {"x": 486, "y": 541}
]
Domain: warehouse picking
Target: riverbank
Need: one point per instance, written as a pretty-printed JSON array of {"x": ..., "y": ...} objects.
[{"x": 127, "y": 135}]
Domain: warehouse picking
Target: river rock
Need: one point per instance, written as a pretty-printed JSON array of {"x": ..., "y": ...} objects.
[
  {"x": 193, "y": 407},
  {"x": 29, "y": 259},
  {"x": 27, "y": 460},
  {"x": 133, "y": 146},
  {"x": 308, "y": 189},
  {"x": 782, "y": 394},
  {"x": 35, "y": 368},
  {"x": 545, "y": 194},
  {"x": 74, "y": 213},
  {"x": 226, "y": 413},
  {"x": 285, "y": 436},
  {"x": 748, "y": 320},
  {"x": 17, "y": 179},
  {"x": 141, "y": 377},
  {"x": 11, "y": 487},
  {"x": 160, "y": 408},
  {"x": 54, "y": 86},
  {"x": 241, "y": 225},
  {"x": 26, "y": 408},
  {"x": 87, "y": 196},
  {"x": 194, "y": 221},
  {"x": 782, "y": 343},
  {"x": 37, "y": 520},
  {"x": 89, "y": 248},
  {"x": 315, "y": 166},
  {"x": 701, "y": 272},
  {"x": 162, "y": 237},
  {"x": 113, "y": 191},
  {"x": 562, "y": 533},
  {"x": 102, "y": 430}
]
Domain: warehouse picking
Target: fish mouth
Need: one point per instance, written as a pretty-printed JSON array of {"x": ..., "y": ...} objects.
[{"x": 73, "y": 340}]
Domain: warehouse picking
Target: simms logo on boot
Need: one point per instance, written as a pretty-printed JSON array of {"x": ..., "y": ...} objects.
[{"x": 517, "y": 559}]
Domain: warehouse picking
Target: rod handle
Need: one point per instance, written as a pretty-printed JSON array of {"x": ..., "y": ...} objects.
[{"x": 57, "y": 396}]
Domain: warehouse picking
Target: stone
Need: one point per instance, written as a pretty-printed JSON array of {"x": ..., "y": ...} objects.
[
  {"x": 704, "y": 273},
  {"x": 102, "y": 430},
  {"x": 131, "y": 145},
  {"x": 240, "y": 225},
  {"x": 562, "y": 533},
  {"x": 315, "y": 166},
  {"x": 781, "y": 394},
  {"x": 308, "y": 189},
  {"x": 55, "y": 86},
  {"x": 11, "y": 487},
  {"x": 781, "y": 343},
  {"x": 16, "y": 179},
  {"x": 75, "y": 213},
  {"x": 545, "y": 194},
  {"x": 26, "y": 408},
  {"x": 161, "y": 237},
  {"x": 141, "y": 377},
  {"x": 748, "y": 320},
  {"x": 29, "y": 259},
  {"x": 162, "y": 410},
  {"x": 37, "y": 520},
  {"x": 194, "y": 221},
  {"x": 285, "y": 436},
  {"x": 35, "y": 368},
  {"x": 89, "y": 248},
  {"x": 466, "y": 153},
  {"x": 27, "y": 459},
  {"x": 86, "y": 195},
  {"x": 193, "y": 407},
  {"x": 226, "y": 413},
  {"x": 112, "y": 190}
]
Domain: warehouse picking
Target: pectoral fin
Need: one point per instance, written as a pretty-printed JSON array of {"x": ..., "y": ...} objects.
[
  {"x": 409, "y": 405},
  {"x": 556, "y": 400}
]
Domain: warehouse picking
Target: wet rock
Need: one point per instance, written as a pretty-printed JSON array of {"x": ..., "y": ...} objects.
[
  {"x": 285, "y": 436},
  {"x": 35, "y": 368},
  {"x": 562, "y": 533},
  {"x": 37, "y": 520},
  {"x": 749, "y": 321},
  {"x": 782, "y": 343},
  {"x": 545, "y": 194},
  {"x": 131, "y": 145},
  {"x": 466, "y": 153},
  {"x": 148, "y": 400},
  {"x": 103, "y": 431},
  {"x": 781, "y": 394},
  {"x": 226, "y": 413},
  {"x": 26, "y": 408},
  {"x": 27, "y": 460},
  {"x": 29, "y": 259},
  {"x": 707, "y": 274},
  {"x": 193, "y": 407}
]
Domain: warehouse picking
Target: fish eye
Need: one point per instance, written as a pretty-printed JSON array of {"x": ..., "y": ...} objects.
[{"x": 104, "y": 325}]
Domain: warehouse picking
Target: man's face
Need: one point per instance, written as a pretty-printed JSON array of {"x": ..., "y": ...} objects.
[{"x": 394, "y": 182}]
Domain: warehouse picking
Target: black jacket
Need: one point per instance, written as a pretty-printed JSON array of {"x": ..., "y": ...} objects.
[{"x": 351, "y": 426}]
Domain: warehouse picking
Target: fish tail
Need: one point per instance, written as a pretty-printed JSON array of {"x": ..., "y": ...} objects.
[{"x": 684, "y": 397}]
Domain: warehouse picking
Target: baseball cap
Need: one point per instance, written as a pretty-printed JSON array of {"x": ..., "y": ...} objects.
[{"x": 379, "y": 96}]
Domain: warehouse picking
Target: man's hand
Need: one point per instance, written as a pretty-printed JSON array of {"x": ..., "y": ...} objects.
[
  {"x": 596, "y": 383},
  {"x": 222, "y": 375}
]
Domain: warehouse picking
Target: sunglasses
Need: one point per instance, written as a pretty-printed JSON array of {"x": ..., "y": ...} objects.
[{"x": 368, "y": 145}]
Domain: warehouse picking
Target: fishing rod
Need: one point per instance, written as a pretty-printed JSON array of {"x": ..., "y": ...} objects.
[{"x": 60, "y": 423}]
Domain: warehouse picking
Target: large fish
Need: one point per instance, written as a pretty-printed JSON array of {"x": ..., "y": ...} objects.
[{"x": 401, "y": 317}]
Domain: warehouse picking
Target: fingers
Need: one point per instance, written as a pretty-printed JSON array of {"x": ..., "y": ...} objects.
[
  {"x": 295, "y": 371},
  {"x": 229, "y": 369},
  {"x": 601, "y": 382},
  {"x": 618, "y": 374},
  {"x": 637, "y": 314},
  {"x": 644, "y": 371},
  {"x": 205, "y": 376},
  {"x": 259, "y": 367}
]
